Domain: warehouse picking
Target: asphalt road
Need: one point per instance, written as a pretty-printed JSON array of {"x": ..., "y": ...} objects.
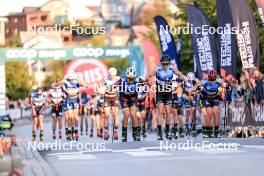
[{"x": 243, "y": 157}]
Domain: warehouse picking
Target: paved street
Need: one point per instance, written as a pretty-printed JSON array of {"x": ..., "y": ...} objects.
[{"x": 147, "y": 158}]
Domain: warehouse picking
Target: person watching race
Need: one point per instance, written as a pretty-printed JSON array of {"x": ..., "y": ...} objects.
[
  {"x": 111, "y": 102},
  {"x": 190, "y": 103},
  {"x": 84, "y": 112},
  {"x": 210, "y": 97},
  {"x": 128, "y": 99},
  {"x": 71, "y": 87},
  {"x": 164, "y": 75},
  {"x": 38, "y": 102},
  {"x": 55, "y": 98}
]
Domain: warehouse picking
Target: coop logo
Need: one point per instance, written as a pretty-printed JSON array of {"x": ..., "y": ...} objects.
[
  {"x": 17, "y": 54},
  {"x": 92, "y": 71},
  {"x": 88, "y": 52}
]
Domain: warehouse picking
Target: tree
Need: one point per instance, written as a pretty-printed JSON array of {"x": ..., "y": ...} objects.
[
  {"x": 18, "y": 81},
  {"x": 98, "y": 40},
  {"x": 120, "y": 64},
  {"x": 57, "y": 69}
]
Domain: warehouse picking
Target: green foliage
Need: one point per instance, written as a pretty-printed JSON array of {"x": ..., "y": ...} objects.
[
  {"x": 13, "y": 41},
  {"x": 120, "y": 64},
  {"x": 98, "y": 40},
  {"x": 18, "y": 81},
  {"x": 57, "y": 69}
]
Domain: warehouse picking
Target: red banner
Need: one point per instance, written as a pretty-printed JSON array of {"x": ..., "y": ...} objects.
[
  {"x": 151, "y": 56},
  {"x": 91, "y": 71}
]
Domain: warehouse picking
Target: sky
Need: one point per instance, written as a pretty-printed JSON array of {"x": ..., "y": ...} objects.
[{"x": 8, "y": 6}]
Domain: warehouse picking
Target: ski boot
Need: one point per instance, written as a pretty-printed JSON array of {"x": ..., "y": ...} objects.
[
  {"x": 181, "y": 133},
  {"x": 194, "y": 133},
  {"x": 106, "y": 134},
  {"x": 124, "y": 134},
  {"x": 138, "y": 129},
  {"x": 76, "y": 136},
  {"x": 33, "y": 136},
  {"x": 91, "y": 133},
  {"x": 72, "y": 132},
  {"x": 115, "y": 134},
  {"x": 144, "y": 134},
  {"x": 60, "y": 135},
  {"x": 41, "y": 136},
  {"x": 69, "y": 136},
  {"x": 98, "y": 133},
  {"x": 168, "y": 134},
  {"x": 159, "y": 135},
  {"x": 54, "y": 135}
]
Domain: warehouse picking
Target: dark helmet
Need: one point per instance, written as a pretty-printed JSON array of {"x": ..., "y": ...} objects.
[
  {"x": 212, "y": 74},
  {"x": 39, "y": 91},
  {"x": 165, "y": 59},
  {"x": 84, "y": 95}
]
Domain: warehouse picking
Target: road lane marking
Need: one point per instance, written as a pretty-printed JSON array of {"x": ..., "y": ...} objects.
[
  {"x": 128, "y": 150},
  {"x": 142, "y": 159},
  {"x": 147, "y": 153},
  {"x": 64, "y": 153},
  {"x": 150, "y": 148},
  {"x": 253, "y": 146},
  {"x": 208, "y": 151},
  {"x": 76, "y": 157}
]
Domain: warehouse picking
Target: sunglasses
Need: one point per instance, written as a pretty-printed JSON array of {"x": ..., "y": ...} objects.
[
  {"x": 165, "y": 64},
  {"x": 131, "y": 79}
]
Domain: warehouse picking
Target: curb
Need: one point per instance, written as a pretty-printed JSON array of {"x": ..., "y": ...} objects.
[
  {"x": 22, "y": 161},
  {"x": 33, "y": 163}
]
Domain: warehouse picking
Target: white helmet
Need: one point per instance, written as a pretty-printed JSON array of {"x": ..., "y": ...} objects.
[
  {"x": 131, "y": 72},
  {"x": 34, "y": 87},
  {"x": 191, "y": 76},
  {"x": 112, "y": 71},
  {"x": 141, "y": 78},
  {"x": 71, "y": 75}
]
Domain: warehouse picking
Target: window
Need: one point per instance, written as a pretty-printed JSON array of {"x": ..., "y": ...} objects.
[
  {"x": 7, "y": 31},
  {"x": 44, "y": 18},
  {"x": 66, "y": 39},
  {"x": 15, "y": 31},
  {"x": 33, "y": 18},
  {"x": 44, "y": 69}
]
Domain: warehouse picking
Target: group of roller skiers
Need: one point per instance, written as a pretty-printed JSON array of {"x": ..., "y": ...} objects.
[{"x": 167, "y": 95}]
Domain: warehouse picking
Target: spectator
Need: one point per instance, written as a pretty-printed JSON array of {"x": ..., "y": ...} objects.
[
  {"x": 234, "y": 91},
  {"x": 246, "y": 89},
  {"x": 259, "y": 85}
]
